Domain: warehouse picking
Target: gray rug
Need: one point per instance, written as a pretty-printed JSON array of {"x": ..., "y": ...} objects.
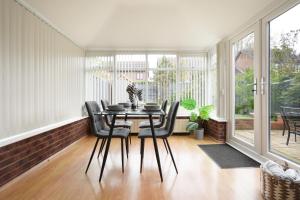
[{"x": 228, "y": 157}]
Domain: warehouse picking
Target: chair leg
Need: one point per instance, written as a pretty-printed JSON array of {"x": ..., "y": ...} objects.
[
  {"x": 288, "y": 138},
  {"x": 127, "y": 147},
  {"x": 122, "y": 152},
  {"x": 101, "y": 146},
  {"x": 142, "y": 153},
  {"x": 107, "y": 146},
  {"x": 165, "y": 146},
  {"x": 283, "y": 131},
  {"x": 130, "y": 136},
  {"x": 171, "y": 154},
  {"x": 87, "y": 168}
]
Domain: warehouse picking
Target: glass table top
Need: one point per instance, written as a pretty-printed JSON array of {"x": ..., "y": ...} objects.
[{"x": 132, "y": 112}]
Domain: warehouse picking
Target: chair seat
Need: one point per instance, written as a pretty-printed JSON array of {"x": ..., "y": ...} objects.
[
  {"x": 123, "y": 123},
  {"x": 297, "y": 124},
  {"x": 117, "y": 133},
  {"x": 146, "y": 124},
  {"x": 147, "y": 133}
]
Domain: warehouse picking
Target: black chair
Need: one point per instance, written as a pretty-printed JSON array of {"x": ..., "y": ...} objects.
[
  {"x": 284, "y": 120},
  {"x": 161, "y": 133},
  {"x": 118, "y": 123},
  {"x": 291, "y": 120},
  {"x": 157, "y": 123},
  {"x": 102, "y": 132}
]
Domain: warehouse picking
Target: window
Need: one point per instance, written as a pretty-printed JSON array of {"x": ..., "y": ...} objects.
[
  {"x": 193, "y": 78},
  {"x": 127, "y": 68},
  {"x": 160, "y": 76},
  {"x": 140, "y": 76},
  {"x": 243, "y": 63},
  {"x": 284, "y": 86},
  {"x": 98, "y": 77}
]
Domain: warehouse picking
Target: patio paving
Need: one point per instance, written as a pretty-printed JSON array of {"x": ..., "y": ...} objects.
[{"x": 278, "y": 143}]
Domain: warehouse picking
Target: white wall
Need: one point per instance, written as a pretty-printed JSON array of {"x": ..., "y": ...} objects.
[{"x": 41, "y": 73}]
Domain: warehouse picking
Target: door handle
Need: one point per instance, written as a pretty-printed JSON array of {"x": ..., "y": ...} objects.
[
  {"x": 262, "y": 85},
  {"x": 255, "y": 86}
]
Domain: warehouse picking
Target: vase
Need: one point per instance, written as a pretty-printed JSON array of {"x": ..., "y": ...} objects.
[
  {"x": 133, "y": 106},
  {"x": 199, "y": 133}
]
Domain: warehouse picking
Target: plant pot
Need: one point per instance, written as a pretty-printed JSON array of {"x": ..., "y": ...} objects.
[{"x": 199, "y": 134}]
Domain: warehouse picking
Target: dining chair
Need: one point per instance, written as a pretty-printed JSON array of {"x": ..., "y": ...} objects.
[
  {"x": 161, "y": 133},
  {"x": 99, "y": 130},
  {"x": 283, "y": 117},
  {"x": 157, "y": 123},
  {"x": 118, "y": 123},
  {"x": 292, "y": 117}
]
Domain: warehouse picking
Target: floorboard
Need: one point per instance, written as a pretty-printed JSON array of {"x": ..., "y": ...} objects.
[{"x": 63, "y": 177}]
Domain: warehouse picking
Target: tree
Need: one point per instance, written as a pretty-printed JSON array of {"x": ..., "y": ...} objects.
[
  {"x": 165, "y": 79},
  {"x": 243, "y": 89},
  {"x": 284, "y": 76},
  {"x": 293, "y": 92},
  {"x": 284, "y": 73}
]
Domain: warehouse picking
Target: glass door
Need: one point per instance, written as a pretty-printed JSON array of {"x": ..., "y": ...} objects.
[
  {"x": 282, "y": 72},
  {"x": 245, "y": 96}
]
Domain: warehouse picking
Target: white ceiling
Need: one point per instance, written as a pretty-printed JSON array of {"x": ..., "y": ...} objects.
[{"x": 147, "y": 24}]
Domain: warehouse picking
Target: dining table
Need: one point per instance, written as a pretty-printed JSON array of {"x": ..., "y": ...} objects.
[{"x": 131, "y": 112}]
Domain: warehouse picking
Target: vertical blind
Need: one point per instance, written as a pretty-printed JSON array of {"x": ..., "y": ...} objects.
[
  {"x": 99, "y": 77},
  {"x": 128, "y": 69},
  {"x": 193, "y": 78},
  {"x": 41, "y": 73},
  {"x": 160, "y": 76}
]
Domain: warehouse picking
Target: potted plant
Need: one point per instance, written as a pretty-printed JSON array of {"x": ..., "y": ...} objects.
[{"x": 197, "y": 120}]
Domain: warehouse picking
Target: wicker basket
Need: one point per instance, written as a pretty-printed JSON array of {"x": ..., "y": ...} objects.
[{"x": 274, "y": 188}]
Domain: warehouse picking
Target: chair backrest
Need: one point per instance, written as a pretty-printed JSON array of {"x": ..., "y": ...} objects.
[
  {"x": 291, "y": 115},
  {"x": 171, "y": 118},
  {"x": 105, "y": 104},
  {"x": 283, "y": 116},
  {"x": 164, "y": 108},
  {"x": 97, "y": 122}
]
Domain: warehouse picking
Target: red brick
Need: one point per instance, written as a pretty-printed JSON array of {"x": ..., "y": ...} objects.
[
  {"x": 19, "y": 157},
  {"x": 216, "y": 129}
]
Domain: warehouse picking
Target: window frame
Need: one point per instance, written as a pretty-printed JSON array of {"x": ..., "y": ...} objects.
[
  {"x": 178, "y": 54},
  {"x": 266, "y": 75}
]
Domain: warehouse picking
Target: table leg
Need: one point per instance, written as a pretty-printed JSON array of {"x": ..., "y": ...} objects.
[
  {"x": 155, "y": 146},
  {"x": 130, "y": 128},
  {"x": 107, "y": 145}
]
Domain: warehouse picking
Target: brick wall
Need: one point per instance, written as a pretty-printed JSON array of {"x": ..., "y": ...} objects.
[
  {"x": 244, "y": 124},
  {"x": 216, "y": 129},
  {"x": 248, "y": 124},
  {"x": 19, "y": 157}
]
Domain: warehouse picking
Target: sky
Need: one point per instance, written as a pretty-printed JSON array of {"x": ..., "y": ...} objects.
[{"x": 284, "y": 23}]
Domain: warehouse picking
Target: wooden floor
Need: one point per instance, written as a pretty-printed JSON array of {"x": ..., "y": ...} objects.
[{"x": 63, "y": 177}]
